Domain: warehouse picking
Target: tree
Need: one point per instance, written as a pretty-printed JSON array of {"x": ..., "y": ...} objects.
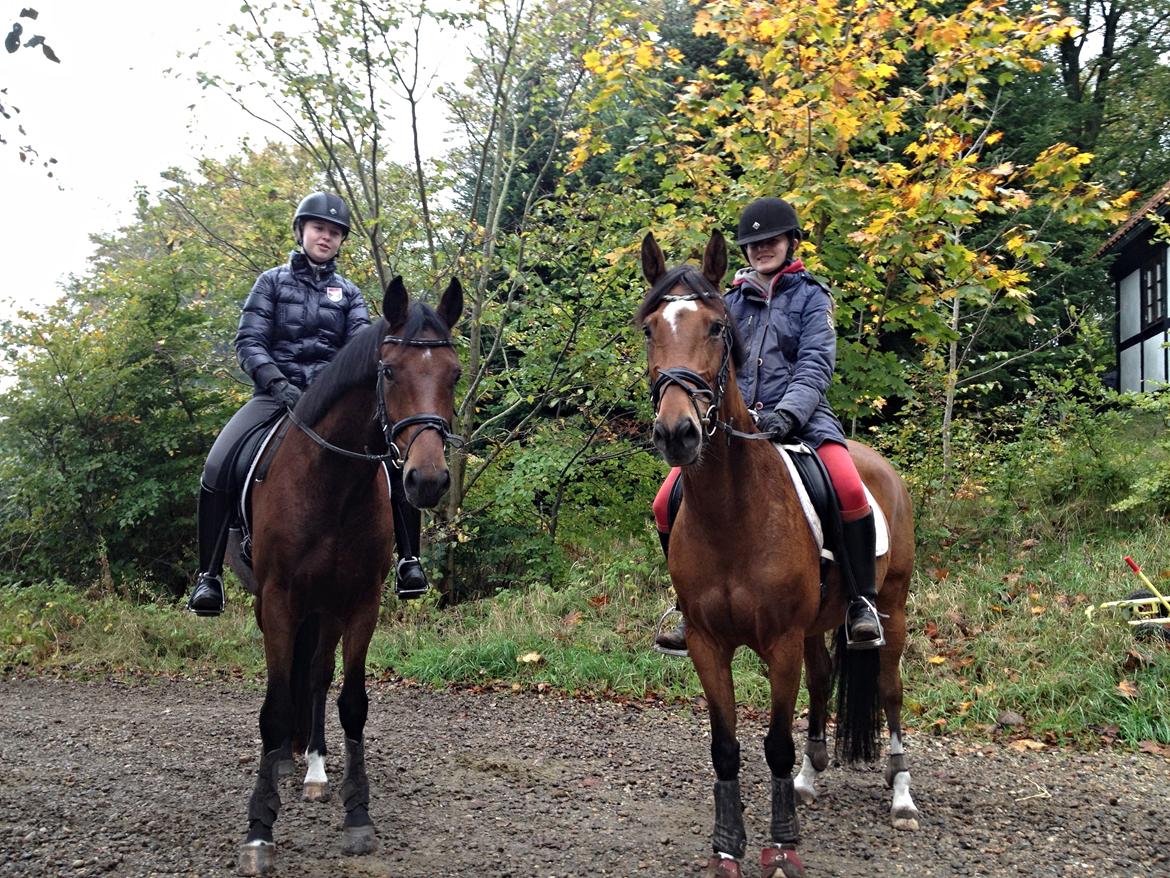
[
  {"x": 121, "y": 387},
  {"x": 880, "y": 124}
]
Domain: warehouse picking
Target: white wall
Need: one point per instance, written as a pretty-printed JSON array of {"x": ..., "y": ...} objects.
[
  {"x": 1131, "y": 305},
  {"x": 1131, "y": 373},
  {"x": 1154, "y": 353}
]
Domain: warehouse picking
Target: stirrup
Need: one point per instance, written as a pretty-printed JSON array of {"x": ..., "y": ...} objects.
[
  {"x": 875, "y": 642},
  {"x": 409, "y": 593},
  {"x": 207, "y": 611},
  {"x": 660, "y": 629}
]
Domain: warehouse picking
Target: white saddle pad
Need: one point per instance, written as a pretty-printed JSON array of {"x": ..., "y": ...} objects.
[{"x": 882, "y": 529}]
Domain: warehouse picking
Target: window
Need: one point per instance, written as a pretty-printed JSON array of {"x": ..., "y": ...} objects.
[{"x": 1154, "y": 290}]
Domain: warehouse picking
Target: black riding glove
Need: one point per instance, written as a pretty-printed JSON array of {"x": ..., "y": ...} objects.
[
  {"x": 778, "y": 424},
  {"x": 284, "y": 392}
]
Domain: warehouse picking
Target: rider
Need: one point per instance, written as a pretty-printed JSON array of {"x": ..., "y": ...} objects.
[
  {"x": 785, "y": 318},
  {"x": 294, "y": 321}
]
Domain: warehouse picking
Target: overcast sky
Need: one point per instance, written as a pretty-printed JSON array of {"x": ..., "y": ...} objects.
[{"x": 110, "y": 117}]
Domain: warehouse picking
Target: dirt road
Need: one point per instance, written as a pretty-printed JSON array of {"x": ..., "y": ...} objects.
[{"x": 153, "y": 779}]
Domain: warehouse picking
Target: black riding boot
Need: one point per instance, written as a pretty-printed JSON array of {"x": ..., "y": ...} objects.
[
  {"x": 863, "y": 625},
  {"x": 207, "y": 598},
  {"x": 409, "y": 580},
  {"x": 673, "y": 642}
]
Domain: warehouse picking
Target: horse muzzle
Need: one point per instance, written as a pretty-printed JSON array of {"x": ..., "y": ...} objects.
[
  {"x": 680, "y": 442},
  {"x": 425, "y": 485}
]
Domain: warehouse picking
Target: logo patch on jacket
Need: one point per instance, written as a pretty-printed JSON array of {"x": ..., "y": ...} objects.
[{"x": 334, "y": 293}]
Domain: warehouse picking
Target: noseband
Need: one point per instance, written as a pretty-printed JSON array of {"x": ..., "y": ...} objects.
[
  {"x": 390, "y": 431},
  {"x": 695, "y": 385}
]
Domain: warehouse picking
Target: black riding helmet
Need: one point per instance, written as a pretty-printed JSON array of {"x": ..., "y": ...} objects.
[
  {"x": 766, "y": 218},
  {"x": 323, "y": 206}
]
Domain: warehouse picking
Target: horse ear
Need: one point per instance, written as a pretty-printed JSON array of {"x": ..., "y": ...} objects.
[
  {"x": 715, "y": 259},
  {"x": 395, "y": 302},
  {"x": 653, "y": 262},
  {"x": 451, "y": 305}
]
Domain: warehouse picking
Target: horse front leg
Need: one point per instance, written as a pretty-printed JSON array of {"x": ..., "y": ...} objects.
[
  {"x": 729, "y": 841},
  {"x": 316, "y": 784},
  {"x": 903, "y": 811},
  {"x": 779, "y": 859},
  {"x": 352, "y": 706},
  {"x": 257, "y": 854},
  {"x": 818, "y": 670}
]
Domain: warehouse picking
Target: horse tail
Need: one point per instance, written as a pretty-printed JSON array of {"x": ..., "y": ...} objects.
[
  {"x": 301, "y": 683},
  {"x": 855, "y": 675}
]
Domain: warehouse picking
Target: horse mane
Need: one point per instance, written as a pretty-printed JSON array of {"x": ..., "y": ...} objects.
[
  {"x": 356, "y": 364},
  {"x": 694, "y": 281}
]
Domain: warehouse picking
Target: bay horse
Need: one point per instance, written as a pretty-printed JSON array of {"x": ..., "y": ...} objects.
[
  {"x": 323, "y": 541},
  {"x": 746, "y": 568}
]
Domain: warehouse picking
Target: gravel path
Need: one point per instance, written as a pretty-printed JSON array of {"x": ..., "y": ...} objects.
[{"x": 153, "y": 778}]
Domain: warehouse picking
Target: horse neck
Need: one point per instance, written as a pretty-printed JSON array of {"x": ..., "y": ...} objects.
[
  {"x": 349, "y": 423},
  {"x": 731, "y": 468}
]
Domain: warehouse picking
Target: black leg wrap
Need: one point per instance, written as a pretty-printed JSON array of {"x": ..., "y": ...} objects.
[
  {"x": 729, "y": 837},
  {"x": 785, "y": 825},
  {"x": 355, "y": 788},
  {"x": 265, "y": 802},
  {"x": 895, "y": 764}
]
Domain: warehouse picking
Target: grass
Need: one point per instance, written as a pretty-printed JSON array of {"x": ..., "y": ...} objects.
[{"x": 996, "y": 630}]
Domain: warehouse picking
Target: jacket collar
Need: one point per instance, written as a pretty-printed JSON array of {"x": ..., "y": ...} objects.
[
  {"x": 301, "y": 264},
  {"x": 753, "y": 285}
]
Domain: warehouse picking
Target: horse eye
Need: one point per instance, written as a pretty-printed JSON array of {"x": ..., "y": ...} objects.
[
  {"x": 646, "y": 330},
  {"x": 716, "y": 329}
]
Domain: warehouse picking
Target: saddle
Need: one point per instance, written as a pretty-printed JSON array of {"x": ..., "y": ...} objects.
[
  {"x": 818, "y": 499},
  {"x": 249, "y": 465}
]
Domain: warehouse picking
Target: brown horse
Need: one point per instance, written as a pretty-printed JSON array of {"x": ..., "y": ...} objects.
[
  {"x": 323, "y": 539},
  {"x": 747, "y": 571}
]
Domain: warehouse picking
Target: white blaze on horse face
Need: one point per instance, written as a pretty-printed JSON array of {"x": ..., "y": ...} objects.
[{"x": 673, "y": 311}]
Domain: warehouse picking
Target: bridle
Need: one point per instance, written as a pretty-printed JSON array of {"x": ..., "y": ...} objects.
[
  {"x": 428, "y": 421},
  {"x": 695, "y": 385}
]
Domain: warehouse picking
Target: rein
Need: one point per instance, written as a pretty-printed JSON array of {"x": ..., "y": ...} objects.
[
  {"x": 393, "y": 454},
  {"x": 695, "y": 385}
]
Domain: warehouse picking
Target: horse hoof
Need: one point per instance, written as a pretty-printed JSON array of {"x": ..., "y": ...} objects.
[
  {"x": 256, "y": 858},
  {"x": 806, "y": 794},
  {"x": 907, "y": 821},
  {"x": 780, "y": 863},
  {"x": 358, "y": 840},
  {"x": 721, "y": 867},
  {"x": 316, "y": 791}
]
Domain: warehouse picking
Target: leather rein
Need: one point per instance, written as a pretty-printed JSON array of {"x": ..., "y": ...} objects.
[
  {"x": 695, "y": 385},
  {"x": 393, "y": 454}
]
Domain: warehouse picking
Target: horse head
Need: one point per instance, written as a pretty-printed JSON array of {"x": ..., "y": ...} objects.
[
  {"x": 418, "y": 372},
  {"x": 690, "y": 345}
]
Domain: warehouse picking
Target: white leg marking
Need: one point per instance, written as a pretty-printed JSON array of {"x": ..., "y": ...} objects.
[
  {"x": 673, "y": 310},
  {"x": 904, "y": 812},
  {"x": 806, "y": 783},
  {"x": 316, "y": 772},
  {"x": 896, "y": 745}
]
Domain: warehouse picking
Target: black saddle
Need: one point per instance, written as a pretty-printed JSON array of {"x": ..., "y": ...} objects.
[
  {"x": 816, "y": 481},
  {"x": 243, "y": 465}
]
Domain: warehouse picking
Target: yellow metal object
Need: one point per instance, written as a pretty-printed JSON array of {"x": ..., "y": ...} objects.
[{"x": 1143, "y": 609}]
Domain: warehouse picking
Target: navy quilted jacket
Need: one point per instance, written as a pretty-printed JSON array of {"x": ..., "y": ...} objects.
[
  {"x": 295, "y": 320},
  {"x": 791, "y": 345}
]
